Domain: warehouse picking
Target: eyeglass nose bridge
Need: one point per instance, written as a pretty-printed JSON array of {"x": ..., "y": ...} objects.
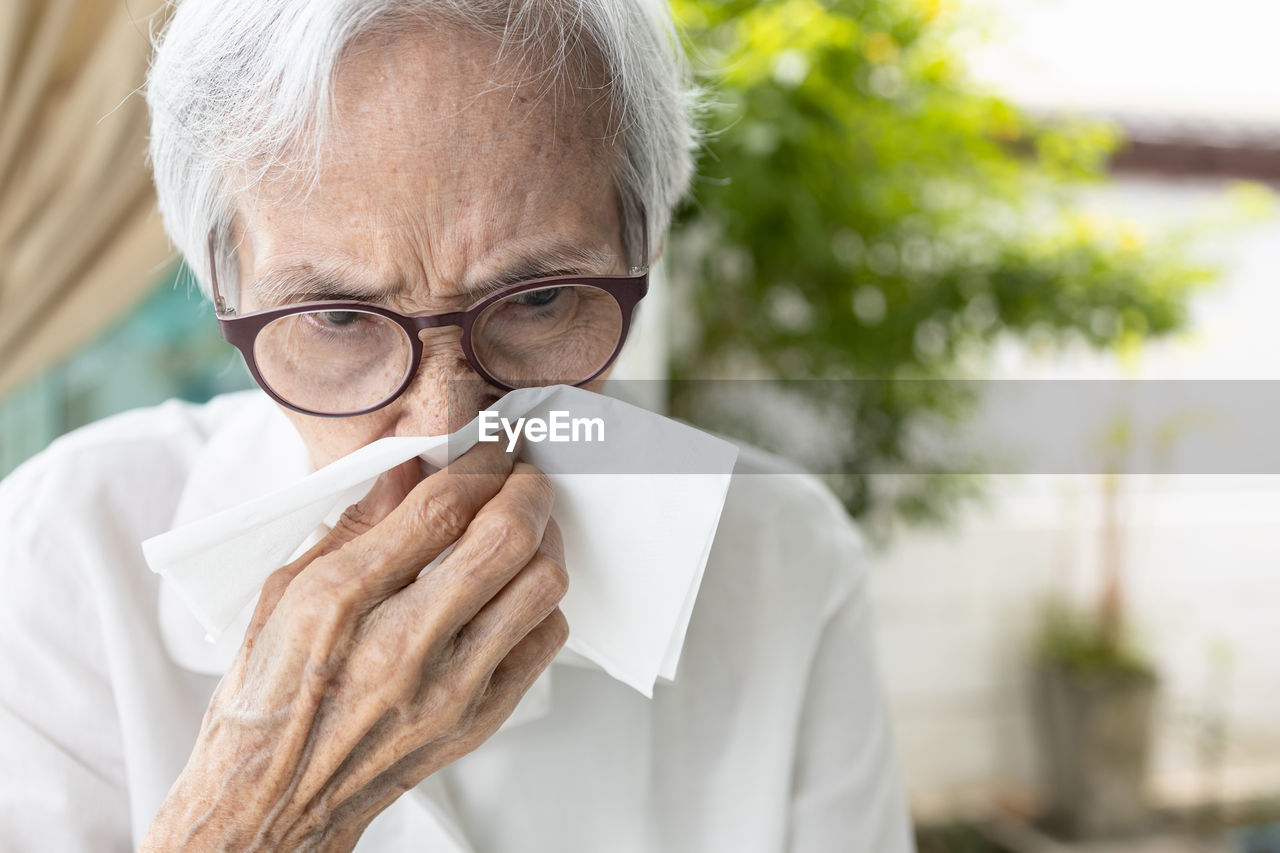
[
  {"x": 416, "y": 324},
  {"x": 422, "y": 322}
]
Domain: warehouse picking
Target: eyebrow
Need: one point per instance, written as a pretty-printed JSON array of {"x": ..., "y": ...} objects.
[{"x": 305, "y": 282}]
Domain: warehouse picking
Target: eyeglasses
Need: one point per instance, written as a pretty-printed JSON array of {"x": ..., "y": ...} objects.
[{"x": 339, "y": 359}]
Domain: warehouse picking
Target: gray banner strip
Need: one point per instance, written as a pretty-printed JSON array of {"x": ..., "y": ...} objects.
[{"x": 859, "y": 427}]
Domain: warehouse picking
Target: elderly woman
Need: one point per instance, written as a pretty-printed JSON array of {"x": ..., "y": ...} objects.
[{"x": 507, "y": 169}]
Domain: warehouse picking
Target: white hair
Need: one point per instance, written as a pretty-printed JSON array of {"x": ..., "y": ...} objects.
[{"x": 241, "y": 87}]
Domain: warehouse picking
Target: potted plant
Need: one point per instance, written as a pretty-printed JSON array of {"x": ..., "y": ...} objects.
[{"x": 1095, "y": 701}]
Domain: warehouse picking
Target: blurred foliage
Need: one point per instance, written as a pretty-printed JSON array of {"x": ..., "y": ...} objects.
[
  {"x": 863, "y": 211},
  {"x": 955, "y": 838},
  {"x": 1078, "y": 641}
]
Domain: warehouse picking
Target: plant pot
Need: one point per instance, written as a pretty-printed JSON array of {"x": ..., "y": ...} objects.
[{"x": 1095, "y": 731}]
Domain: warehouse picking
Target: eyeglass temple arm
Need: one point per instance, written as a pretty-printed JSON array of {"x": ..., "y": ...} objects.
[
  {"x": 219, "y": 304},
  {"x": 644, "y": 242}
]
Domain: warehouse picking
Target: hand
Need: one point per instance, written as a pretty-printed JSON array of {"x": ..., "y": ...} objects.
[{"x": 357, "y": 678}]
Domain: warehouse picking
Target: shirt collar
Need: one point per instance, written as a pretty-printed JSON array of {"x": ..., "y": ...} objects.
[{"x": 250, "y": 452}]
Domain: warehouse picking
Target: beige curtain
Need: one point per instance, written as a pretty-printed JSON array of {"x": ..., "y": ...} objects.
[{"x": 80, "y": 238}]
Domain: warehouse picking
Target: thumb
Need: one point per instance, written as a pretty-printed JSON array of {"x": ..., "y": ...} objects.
[{"x": 388, "y": 491}]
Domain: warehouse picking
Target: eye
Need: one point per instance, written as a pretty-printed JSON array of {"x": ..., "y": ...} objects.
[
  {"x": 338, "y": 318},
  {"x": 537, "y": 298}
]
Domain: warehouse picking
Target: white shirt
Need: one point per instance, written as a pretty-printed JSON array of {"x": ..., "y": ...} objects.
[{"x": 773, "y": 737}]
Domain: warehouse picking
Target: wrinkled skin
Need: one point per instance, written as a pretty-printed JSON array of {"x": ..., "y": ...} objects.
[{"x": 357, "y": 678}]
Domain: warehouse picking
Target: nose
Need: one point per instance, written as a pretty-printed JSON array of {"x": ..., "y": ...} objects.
[{"x": 446, "y": 393}]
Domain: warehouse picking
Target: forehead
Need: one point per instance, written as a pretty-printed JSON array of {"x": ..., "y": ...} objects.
[{"x": 439, "y": 165}]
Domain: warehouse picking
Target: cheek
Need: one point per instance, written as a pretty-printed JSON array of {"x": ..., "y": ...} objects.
[{"x": 466, "y": 398}]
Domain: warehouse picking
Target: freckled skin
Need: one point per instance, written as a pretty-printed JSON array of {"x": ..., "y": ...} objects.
[
  {"x": 356, "y": 678},
  {"x": 435, "y": 177}
]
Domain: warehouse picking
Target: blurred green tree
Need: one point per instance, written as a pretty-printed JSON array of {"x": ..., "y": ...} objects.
[{"x": 863, "y": 211}]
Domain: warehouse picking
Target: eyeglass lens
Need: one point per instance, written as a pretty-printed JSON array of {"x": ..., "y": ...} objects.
[{"x": 340, "y": 362}]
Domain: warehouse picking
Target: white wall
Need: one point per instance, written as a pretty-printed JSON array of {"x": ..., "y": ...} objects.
[
  {"x": 1196, "y": 59},
  {"x": 957, "y": 612},
  {"x": 957, "y": 609}
]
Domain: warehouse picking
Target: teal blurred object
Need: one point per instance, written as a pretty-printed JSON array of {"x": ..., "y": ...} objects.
[
  {"x": 1258, "y": 839},
  {"x": 167, "y": 347}
]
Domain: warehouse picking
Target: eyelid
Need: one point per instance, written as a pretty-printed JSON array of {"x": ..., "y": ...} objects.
[
  {"x": 334, "y": 296},
  {"x": 503, "y": 282}
]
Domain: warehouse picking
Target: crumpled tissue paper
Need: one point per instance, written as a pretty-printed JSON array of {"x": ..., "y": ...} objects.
[{"x": 638, "y": 511}]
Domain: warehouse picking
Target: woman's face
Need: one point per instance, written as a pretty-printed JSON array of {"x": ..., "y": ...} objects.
[{"x": 436, "y": 179}]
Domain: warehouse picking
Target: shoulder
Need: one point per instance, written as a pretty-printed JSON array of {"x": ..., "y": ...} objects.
[
  {"x": 786, "y": 561},
  {"x": 71, "y": 522},
  {"x": 123, "y": 470},
  {"x": 173, "y": 422},
  {"x": 784, "y": 531}
]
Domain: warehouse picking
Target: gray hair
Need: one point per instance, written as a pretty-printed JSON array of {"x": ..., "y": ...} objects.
[{"x": 240, "y": 87}]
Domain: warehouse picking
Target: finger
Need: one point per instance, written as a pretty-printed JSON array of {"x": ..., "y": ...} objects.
[
  {"x": 456, "y": 680},
  {"x": 415, "y": 755},
  {"x": 515, "y": 674},
  {"x": 399, "y": 756},
  {"x": 499, "y": 542},
  {"x": 388, "y": 491},
  {"x": 386, "y": 557},
  {"x": 518, "y": 607}
]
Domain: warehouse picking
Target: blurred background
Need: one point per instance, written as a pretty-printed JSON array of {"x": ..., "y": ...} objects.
[{"x": 892, "y": 193}]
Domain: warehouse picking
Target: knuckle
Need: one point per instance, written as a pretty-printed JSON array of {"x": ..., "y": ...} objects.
[
  {"x": 557, "y": 629},
  {"x": 430, "y": 634},
  {"x": 552, "y": 538},
  {"x": 395, "y": 686},
  {"x": 279, "y": 579},
  {"x": 297, "y": 597},
  {"x": 353, "y": 588},
  {"x": 507, "y": 536},
  {"x": 319, "y": 672},
  {"x": 317, "y": 597},
  {"x": 361, "y": 570},
  {"x": 539, "y": 484},
  {"x": 277, "y": 582},
  {"x": 443, "y": 513},
  {"x": 461, "y": 741},
  {"x": 552, "y": 580},
  {"x": 354, "y": 521},
  {"x": 451, "y": 703}
]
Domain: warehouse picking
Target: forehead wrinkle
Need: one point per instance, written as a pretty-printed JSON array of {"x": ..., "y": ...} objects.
[
  {"x": 545, "y": 261},
  {"x": 306, "y": 281},
  {"x": 288, "y": 283},
  {"x": 444, "y": 222}
]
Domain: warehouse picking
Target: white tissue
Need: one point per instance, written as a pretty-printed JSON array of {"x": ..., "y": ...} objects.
[{"x": 636, "y": 543}]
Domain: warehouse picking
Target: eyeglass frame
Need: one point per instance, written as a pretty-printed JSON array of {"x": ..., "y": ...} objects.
[{"x": 241, "y": 330}]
